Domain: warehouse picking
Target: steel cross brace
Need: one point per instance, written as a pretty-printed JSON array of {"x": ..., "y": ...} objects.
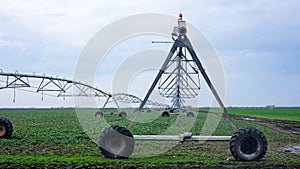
[
  {"x": 181, "y": 42},
  {"x": 60, "y": 85}
]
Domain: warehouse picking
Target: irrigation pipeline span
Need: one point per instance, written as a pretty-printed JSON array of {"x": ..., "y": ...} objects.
[
  {"x": 50, "y": 84},
  {"x": 63, "y": 87}
]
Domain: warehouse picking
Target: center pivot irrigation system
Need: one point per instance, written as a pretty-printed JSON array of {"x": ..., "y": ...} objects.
[
  {"x": 246, "y": 144},
  {"x": 129, "y": 99},
  {"x": 45, "y": 85},
  {"x": 177, "y": 79}
]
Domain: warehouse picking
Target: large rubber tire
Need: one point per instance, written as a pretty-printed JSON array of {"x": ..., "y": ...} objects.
[
  {"x": 122, "y": 114},
  {"x": 190, "y": 114},
  {"x": 165, "y": 114},
  {"x": 116, "y": 142},
  {"x": 248, "y": 144},
  {"x": 6, "y": 128},
  {"x": 98, "y": 114}
]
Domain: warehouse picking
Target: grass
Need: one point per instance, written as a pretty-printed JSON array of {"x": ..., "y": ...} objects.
[
  {"x": 55, "y": 136},
  {"x": 292, "y": 114}
]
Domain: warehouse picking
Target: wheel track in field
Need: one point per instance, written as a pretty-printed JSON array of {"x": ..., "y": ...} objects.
[
  {"x": 148, "y": 166},
  {"x": 281, "y": 125}
]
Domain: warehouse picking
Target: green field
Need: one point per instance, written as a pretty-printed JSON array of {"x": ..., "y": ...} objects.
[
  {"x": 50, "y": 136},
  {"x": 292, "y": 114}
]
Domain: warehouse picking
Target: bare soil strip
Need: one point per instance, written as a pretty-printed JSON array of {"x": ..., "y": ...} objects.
[
  {"x": 145, "y": 166},
  {"x": 281, "y": 125}
]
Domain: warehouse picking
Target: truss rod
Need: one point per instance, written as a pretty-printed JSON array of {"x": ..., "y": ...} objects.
[{"x": 59, "y": 83}]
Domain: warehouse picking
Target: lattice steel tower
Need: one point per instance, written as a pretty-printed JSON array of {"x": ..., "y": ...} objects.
[
  {"x": 180, "y": 80},
  {"x": 179, "y": 84}
]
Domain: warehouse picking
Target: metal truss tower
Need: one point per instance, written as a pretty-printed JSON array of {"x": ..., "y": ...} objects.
[
  {"x": 181, "y": 41},
  {"x": 180, "y": 80}
]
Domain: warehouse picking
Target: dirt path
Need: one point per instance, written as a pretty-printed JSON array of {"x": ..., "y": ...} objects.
[
  {"x": 282, "y": 125},
  {"x": 145, "y": 166}
]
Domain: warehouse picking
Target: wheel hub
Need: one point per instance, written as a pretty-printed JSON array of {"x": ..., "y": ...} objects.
[
  {"x": 115, "y": 144},
  {"x": 2, "y": 129},
  {"x": 249, "y": 145}
]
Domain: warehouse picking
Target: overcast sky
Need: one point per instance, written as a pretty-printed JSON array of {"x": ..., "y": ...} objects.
[{"x": 258, "y": 42}]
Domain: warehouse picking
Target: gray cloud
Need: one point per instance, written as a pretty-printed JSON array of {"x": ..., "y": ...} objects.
[{"x": 47, "y": 36}]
